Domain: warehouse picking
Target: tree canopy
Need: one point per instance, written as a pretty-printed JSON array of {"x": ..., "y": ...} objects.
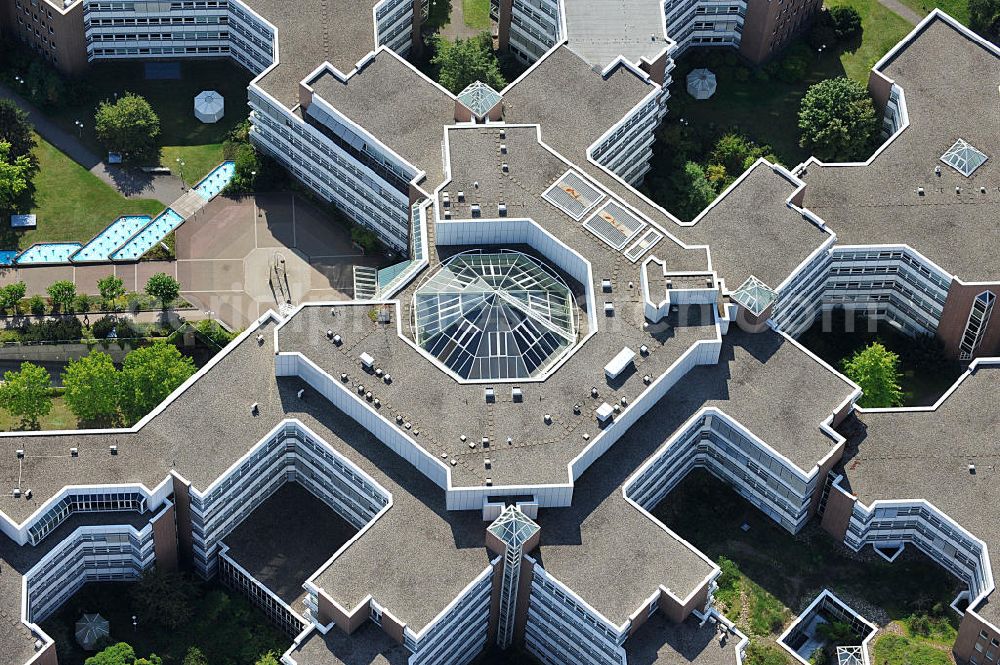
[
  {"x": 466, "y": 61},
  {"x": 25, "y": 393},
  {"x": 11, "y": 294},
  {"x": 695, "y": 191},
  {"x": 984, "y": 16},
  {"x": 164, "y": 598},
  {"x": 15, "y": 129},
  {"x": 876, "y": 370},
  {"x": 195, "y": 656},
  {"x": 121, "y": 654},
  {"x": 16, "y": 172},
  {"x": 148, "y": 375},
  {"x": 62, "y": 293},
  {"x": 163, "y": 287},
  {"x": 837, "y": 120},
  {"x": 129, "y": 126},
  {"x": 111, "y": 288},
  {"x": 92, "y": 388}
]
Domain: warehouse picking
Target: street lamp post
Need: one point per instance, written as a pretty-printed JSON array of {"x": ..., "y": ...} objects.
[
  {"x": 181, "y": 163},
  {"x": 79, "y": 125}
]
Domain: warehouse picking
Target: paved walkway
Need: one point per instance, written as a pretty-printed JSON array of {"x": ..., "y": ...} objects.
[
  {"x": 131, "y": 183},
  {"x": 456, "y": 27},
  {"x": 898, "y": 7}
]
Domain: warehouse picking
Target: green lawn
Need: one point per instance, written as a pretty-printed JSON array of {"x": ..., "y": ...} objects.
[
  {"x": 882, "y": 29},
  {"x": 775, "y": 570},
  {"x": 198, "y": 160},
  {"x": 477, "y": 13},
  {"x": 958, "y": 9},
  {"x": 60, "y": 417},
  {"x": 767, "y": 110},
  {"x": 898, "y": 650},
  {"x": 224, "y": 626},
  {"x": 71, "y": 203},
  {"x": 173, "y": 101}
]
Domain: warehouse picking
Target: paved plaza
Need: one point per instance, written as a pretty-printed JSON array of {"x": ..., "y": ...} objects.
[{"x": 226, "y": 258}]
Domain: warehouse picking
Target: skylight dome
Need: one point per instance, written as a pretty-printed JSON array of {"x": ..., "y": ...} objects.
[
  {"x": 754, "y": 295},
  {"x": 963, "y": 158},
  {"x": 494, "y": 316}
]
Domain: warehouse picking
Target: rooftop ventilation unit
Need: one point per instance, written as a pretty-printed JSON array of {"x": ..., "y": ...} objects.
[
  {"x": 476, "y": 210},
  {"x": 254, "y": 409},
  {"x": 20, "y": 453},
  {"x": 113, "y": 449},
  {"x": 366, "y": 360},
  {"x": 27, "y": 495},
  {"x": 619, "y": 363},
  {"x": 609, "y": 308},
  {"x": 604, "y": 412},
  {"x": 490, "y": 396},
  {"x": 17, "y": 492},
  {"x": 505, "y": 167},
  {"x": 461, "y": 197},
  {"x": 447, "y": 214},
  {"x": 503, "y": 148},
  {"x": 74, "y": 452},
  {"x": 300, "y": 393},
  {"x": 260, "y": 338},
  {"x": 445, "y": 199},
  {"x": 503, "y": 133},
  {"x": 502, "y": 209},
  {"x": 338, "y": 340},
  {"x": 516, "y": 395},
  {"x": 920, "y": 191},
  {"x": 488, "y": 463},
  {"x": 329, "y": 334},
  {"x": 606, "y": 285}
]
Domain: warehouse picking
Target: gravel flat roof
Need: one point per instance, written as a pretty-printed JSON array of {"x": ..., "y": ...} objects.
[{"x": 950, "y": 85}]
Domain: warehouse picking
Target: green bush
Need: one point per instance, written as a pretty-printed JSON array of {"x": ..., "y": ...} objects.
[
  {"x": 366, "y": 239},
  {"x": 845, "y": 21},
  {"x": 67, "y": 329},
  {"x": 37, "y": 305},
  {"x": 81, "y": 304}
]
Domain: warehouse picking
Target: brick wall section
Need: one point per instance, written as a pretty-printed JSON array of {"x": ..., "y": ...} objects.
[
  {"x": 837, "y": 516},
  {"x": 969, "y": 634},
  {"x": 955, "y": 315},
  {"x": 165, "y": 540},
  {"x": 182, "y": 512}
]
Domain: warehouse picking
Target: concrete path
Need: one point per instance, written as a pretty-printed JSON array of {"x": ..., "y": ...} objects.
[
  {"x": 456, "y": 27},
  {"x": 130, "y": 183},
  {"x": 905, "y": 12}
]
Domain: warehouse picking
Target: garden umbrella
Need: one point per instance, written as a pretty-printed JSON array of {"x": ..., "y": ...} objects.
[
  {"x": 209, "y": 106},
  {"x": 701, "y": 83},
  {"x": 90, "y": 630}
]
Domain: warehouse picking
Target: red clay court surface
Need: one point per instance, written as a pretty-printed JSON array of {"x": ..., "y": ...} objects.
[{"x": 226, "y": 254}]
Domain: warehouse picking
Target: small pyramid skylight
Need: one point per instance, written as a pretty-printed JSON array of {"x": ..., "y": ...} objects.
[
  {"x": 754, "y": 295},
  {"x": 963, "y": 158},
  {"x": 513, "y": 527},
  {"x": 479, "y": 98}
]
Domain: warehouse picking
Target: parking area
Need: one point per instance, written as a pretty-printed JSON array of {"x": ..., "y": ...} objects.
[{"x": 238, "y": 258}]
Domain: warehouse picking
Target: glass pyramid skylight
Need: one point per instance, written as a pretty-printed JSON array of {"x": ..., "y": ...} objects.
[
  {"x": 494, "y": 316},
  {"x": 513, "y": 527},
  {"x": 963, "y": 158},
  {"x": 479, "y": 98},
  {"x": 755, "y": 295}
]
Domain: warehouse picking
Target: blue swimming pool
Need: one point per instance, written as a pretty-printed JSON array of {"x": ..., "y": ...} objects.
[
  {"x": 48, "y": 252},
  {"x": 114, "y": 236},
  {"x": 144, "y": 240},
  {"x": 216, "y": 181},
  {"x": 7, "y": 257}
]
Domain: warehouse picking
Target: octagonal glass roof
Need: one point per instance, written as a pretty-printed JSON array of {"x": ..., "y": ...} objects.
[{"x": 494, "y": 316}]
